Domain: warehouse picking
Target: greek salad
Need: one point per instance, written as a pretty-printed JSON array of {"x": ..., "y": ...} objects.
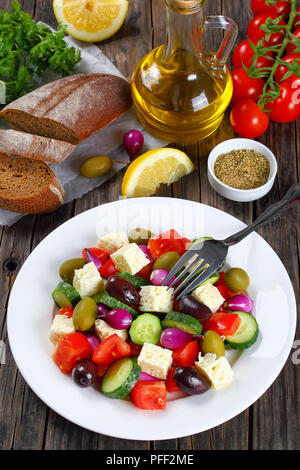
[{"x": 117, "y": 327}]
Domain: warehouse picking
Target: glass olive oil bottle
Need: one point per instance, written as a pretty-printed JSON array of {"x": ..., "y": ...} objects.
[{"x": 181, "y": 91}]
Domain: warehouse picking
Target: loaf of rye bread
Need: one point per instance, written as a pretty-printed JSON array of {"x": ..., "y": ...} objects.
[
  {"x": 72, "y": 108},
  {"x": 32, "y": 146},
  {"x": 28, "y": 186}
]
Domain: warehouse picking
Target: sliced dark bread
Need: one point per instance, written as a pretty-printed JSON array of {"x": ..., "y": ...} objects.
[
  {"x": 72, "y": 108},
  {"x": 31, "y": 146},
  {"x": 28, "y": 186}
]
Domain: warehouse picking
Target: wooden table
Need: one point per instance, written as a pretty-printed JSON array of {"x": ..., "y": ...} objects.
[{"x": 273, "y": 421}]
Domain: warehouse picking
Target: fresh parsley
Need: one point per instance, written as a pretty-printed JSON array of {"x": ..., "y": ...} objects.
[{"x": 28, "y": 48}]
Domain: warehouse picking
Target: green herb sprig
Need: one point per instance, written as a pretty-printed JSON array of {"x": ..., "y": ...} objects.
[
  {"x": 28, "y": 48},
  {"x": 271, "y": 90}
]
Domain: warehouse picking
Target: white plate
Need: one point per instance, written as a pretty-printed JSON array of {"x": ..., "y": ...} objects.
[{"x": 30, "y": 307}]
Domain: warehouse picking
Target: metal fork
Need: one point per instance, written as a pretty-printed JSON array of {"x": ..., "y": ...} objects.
[{"x": 207, "y": 257}]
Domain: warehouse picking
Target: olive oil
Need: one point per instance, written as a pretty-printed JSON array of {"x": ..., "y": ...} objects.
[{"x": 181, "y": 91}]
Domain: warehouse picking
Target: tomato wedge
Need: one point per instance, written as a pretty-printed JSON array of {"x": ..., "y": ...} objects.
[
  {"x": 108, "y": 269},
  {"x": 167, "y": 241},
  {"x": 69, "y": 350},
  {"x": 170, "y": 384},
  {"x": 146, "y": 271},
  {"x": 101, "y": 254},
  {"x": 135, "y": 349},
  {"x": 149, "y": 395},
  {"x": 112, "y": 348},
  {"x": 186, "y": 355},
  {"x": 223, "y": 323},
  {"x": 66, "y": 311}
]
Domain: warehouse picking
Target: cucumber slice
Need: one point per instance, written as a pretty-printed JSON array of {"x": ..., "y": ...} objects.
[
  {"x": 212, "y": 279},
  {"x": 201, "y": 239},
  {"x": 183, "y": 322},
  {"x": 120, "y": 378},
  {"x": 104, "y": 298},
  {"x": 137, "y": 281},
  {"x": 64, "y": 295},
  {"x": 247, "y": 333},
  {"x": 146, "y": 328}
]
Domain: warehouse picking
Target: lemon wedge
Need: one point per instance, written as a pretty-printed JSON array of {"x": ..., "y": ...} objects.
[
  {"x": 145, "y": 174},
  {"x": 91, "y": 20}
]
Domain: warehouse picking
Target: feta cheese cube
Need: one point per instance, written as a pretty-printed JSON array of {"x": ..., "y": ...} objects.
[
  {"x": 209, "y": 296},
  {"x": 87, "y": 280},
  {"x": 61, "y": 327},
  {"x": 113, "y": 241},
  {"x": 156, "y": 299},
  {"x": 155, "y": 360},
  {"x": 103, "y": 330},
  {"x": 130, "y": 258},
  {"x": 217, "y": 370}
]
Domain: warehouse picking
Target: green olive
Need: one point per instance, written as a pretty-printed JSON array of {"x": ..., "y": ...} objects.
[
  {"x": 95, "y": 166},
  {"x": 85, "y": 314},
  {"x": 66, "y": 271},
  {"x": 167, "y": 260},
  {"x": 140, "y": 236},
  {"x": 237, "y": 279},
  {"x": 212, "y": 343}
]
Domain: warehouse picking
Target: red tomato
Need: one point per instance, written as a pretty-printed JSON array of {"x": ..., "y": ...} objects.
[
  {"x": 69, "y": 350},
  {"x": 297, "y": 19},
  {"x": 243, "y": 55},
  {"x": 280, "y": 8},
  {"x": 101, "y": 370},
  {"x": 186, "y": 355},
  {"x": 146, "y": 271},
  {"x": 111, "y": 349},
  {"x": 66, "y": 311},
  {"x": 101, "y": 254},
  {"x": 176, "y": 306},
  {"x": 135, "y": 349},
  {"x": 149, "y": 395},
  {"x": 254, "y": 30},
  {"x": 248, "y": 120},
  {"x": 187, "y": 243},
  {"x": 223, "y": 323},
  {"x": 233, "y": 293},
  {"x": 170, "y": 384},
  {"x": 223, "y": 289},
  {"x": 167, "y": 241},
  {"x": 245, "y": 87},
  {"x": 282, "y": 70},
  {"x": 108, "y": 269},
  {"x": 291, "y": 45},
  {"x": 286, "y": 108},
  {"x": 221, "y": 280}
]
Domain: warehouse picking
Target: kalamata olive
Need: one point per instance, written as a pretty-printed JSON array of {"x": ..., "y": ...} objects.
[
  {"x": 191, "y": 381},
  {"x": 85, "y": 314},
  {"x": 84, "y": 372},
  {"x": 140, "y": 236},
  {"x": 237, "y": 279},
  {"x": 95, "y": 166},
  {"x": 191, "y": 306},
  {"x": 212, "y": 343},
  {"x": 66, "y": 270},
  {"x": 123, "y": 290},
  {"x": 167, "y": 261}
]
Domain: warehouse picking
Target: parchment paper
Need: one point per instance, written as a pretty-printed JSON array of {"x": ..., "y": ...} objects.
[{"x": 106, "y": 142}]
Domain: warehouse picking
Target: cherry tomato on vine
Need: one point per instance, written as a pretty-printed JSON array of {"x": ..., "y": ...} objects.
[
  {"x": 291, "y": 46},
  {"x": 297, "y": 19},
  {"x": 282, "y": 70},
  {"x": 243, "y": 54},
  {"x": 281, "y": 8},
  {"x": 254, "y": 30},
  {"x": 245, "y": 87},
  {"x": 286, "y": 108},
  {"x": 248, "y": 120}
]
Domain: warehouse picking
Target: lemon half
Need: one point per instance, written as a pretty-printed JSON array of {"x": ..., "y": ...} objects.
[
  {"x": 91, "y": 20},
  {"x": 144, "y": 175}
]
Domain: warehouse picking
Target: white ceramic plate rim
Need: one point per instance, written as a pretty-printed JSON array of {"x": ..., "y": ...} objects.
[{"x": 160, "y": 432}]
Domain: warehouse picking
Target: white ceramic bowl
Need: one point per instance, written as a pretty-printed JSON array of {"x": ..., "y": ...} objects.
[
  {"x": 30, "y": 308},
  {"x": 240, "y": 195}
]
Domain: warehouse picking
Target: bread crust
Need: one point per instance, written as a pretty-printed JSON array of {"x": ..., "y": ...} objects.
[
  {"x": 47, "y": 200},
  {"x": 31, "y": 146},
  {"x": 79, "y": 105}
]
